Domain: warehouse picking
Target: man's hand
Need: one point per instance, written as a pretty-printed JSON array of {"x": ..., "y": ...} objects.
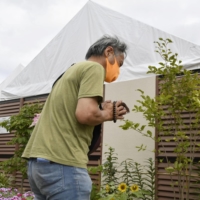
[
  {"x": 88, "y": 112},
  {"x": 121, "y": 110},
  {"x": 103, "y": 105}
]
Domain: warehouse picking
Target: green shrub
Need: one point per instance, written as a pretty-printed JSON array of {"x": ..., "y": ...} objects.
[
  {"x": 5, "y": 180},
  {"x": 19, "y": 125},
  {"x": 179, "y": 93}
]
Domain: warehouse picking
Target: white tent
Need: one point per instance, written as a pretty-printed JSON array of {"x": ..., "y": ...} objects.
[
  {"x": 9, "y": 79},
  {"x": 72, "y": 42}
]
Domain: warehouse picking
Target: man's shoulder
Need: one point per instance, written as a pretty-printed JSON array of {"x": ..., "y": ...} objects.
[
  {"x": 88, "y": 64},
  {"x": 85, "y": 67}
]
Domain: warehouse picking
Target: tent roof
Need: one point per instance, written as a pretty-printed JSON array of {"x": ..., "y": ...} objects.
[
  {"x": 72, "y": 42},
  {"x": 9, "y": 79}
]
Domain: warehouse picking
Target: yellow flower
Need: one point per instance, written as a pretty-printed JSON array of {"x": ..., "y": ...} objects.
[
  {"x": 134, "y": 188},
  {"x": 122, "y": 187},
  {"x": 107, "y": 188}
]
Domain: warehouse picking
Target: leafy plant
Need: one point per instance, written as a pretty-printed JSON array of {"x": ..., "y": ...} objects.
[
  {"x": 5, "y": 180},
  {"x": 150, "y": 179},
  {"x": 130, "y": 180},
  {"x": 94, "y": 193},
  {"x": 196, "y": 179},
  {"x": 127, "y": 171},
  {"x": 110, "y": 167},
  {"x": 19, "y": 125},
  {"x": 142, "y": 176},
  {"x": 179, "y": 93}
]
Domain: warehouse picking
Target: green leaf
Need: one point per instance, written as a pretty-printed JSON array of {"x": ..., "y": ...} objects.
[
  {"x": 160, "y": 63},
  {"x": 140, "y": 91},
  {"x": 136, "y": 125},
  {"x": 123, "y": 196},
  {"x": 169, "y": 169},
  {"x": 149, "y": 133},
  {"x": 142, "y": 127},
  {"x": 170, "y": 41}
]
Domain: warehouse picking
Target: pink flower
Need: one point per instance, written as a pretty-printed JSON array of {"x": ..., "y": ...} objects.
[
  {"x": 14, "y": 194},
  {"x": 35, "y": 120}
]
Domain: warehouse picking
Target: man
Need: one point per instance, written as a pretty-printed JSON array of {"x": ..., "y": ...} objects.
[{"x": 58, "y": 147}]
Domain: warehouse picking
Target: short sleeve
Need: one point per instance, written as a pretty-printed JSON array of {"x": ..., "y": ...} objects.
[{"x": 91, "y": 83}]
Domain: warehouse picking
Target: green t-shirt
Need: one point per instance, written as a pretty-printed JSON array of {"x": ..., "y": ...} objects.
[{"x": 58, "y": 136}]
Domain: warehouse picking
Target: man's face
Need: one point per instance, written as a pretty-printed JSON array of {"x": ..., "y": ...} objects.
[
  {"x": 119, "y": 58},
  {"x": 113, "y": 62}
]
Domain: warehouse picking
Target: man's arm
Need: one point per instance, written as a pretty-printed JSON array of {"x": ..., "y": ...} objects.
[{"x": 88, "y": 112}]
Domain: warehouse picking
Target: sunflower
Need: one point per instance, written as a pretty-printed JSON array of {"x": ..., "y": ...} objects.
[
  {"x": 134, "y": 188},
  {"x": 122, "y": 187},
  {"x": 107, "y": 188}
]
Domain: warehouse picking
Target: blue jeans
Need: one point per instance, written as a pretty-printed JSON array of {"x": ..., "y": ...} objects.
[{"x": 52, "y": 181}]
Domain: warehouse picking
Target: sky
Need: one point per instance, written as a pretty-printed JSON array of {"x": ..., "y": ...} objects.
[{"x": 27, "y": 26}]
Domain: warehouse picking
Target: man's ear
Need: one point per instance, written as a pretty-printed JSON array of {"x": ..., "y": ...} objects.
[{"x": 109, "y": 50}]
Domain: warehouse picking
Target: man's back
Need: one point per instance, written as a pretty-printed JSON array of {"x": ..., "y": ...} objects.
[{"x": 58, "y": 136}]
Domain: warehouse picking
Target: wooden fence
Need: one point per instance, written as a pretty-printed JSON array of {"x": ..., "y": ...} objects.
[
  {"x": 164, "y": 189},
  {"x": 166, "y": 185},
  {"x": 12, "y": 107}
]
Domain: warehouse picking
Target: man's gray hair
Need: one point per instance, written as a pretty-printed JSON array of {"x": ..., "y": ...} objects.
[{"x": 100, "y": 45}]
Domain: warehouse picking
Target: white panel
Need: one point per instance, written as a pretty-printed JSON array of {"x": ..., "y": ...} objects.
[{"x": 123, "y": 141}]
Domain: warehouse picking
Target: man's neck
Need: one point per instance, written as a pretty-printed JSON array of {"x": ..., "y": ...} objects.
[{"x": 98, "y": 59}]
